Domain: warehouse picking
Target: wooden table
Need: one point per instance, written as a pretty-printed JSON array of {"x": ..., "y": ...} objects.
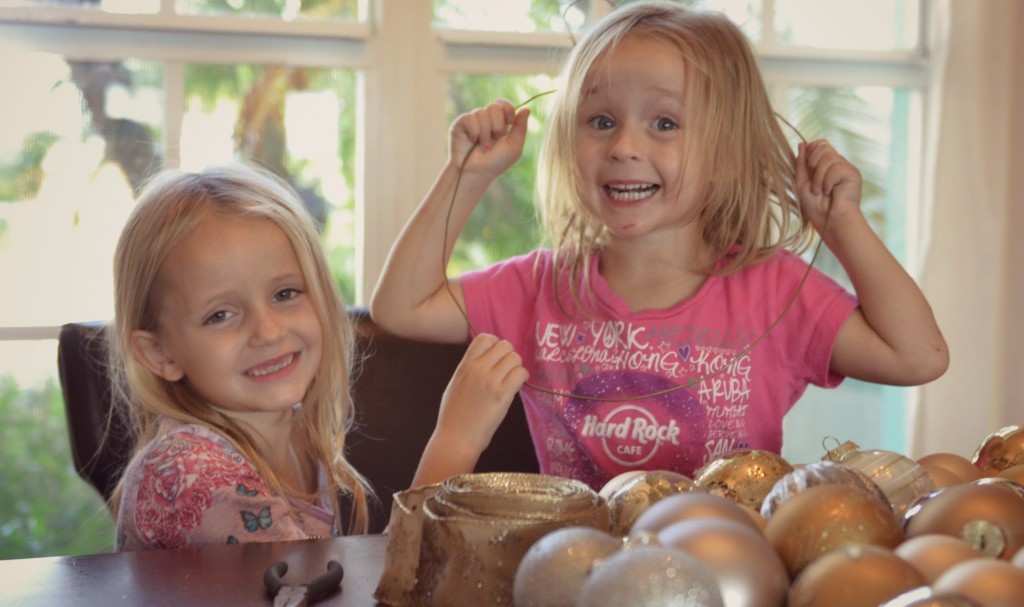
[{"x": 194, "y": 577}]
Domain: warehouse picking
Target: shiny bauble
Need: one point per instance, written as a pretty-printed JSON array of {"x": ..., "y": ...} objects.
[
  {"x": 933, "y": 554},
  {"x": 1000, "y": 450},
  {"x": 650, "y": 576},
  {"x": 825, "y": 517},
  {"x": 989, "y": 517},
  {"x": 941, "y": 477},
  {"x": 616, "y": 482},
  {"x": 1018, "y": 559},
  {"x": 696, "y": 504},
  {"x": 744, "y": 476},
  {"x": 901, "y": 479},
  {"x": 748, "y": 570},
  {"x": 986, "y": 581},
  {"x": 629, "y": 494},
  {"x": 960, "y": 466},
  {"x": 1005, "y": 483},
  {"x": 812, "y": 475},
  {"x": 552, "y": 571},
  {"x": 1013, "y": 473},
  {"x": 926, "y": 597},
  {"x": 853, "y": 576}
]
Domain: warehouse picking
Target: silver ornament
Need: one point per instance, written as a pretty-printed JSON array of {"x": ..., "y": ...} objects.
[
  {"x": 651, "y": 576},
  {"x": 553, "y": 569}
]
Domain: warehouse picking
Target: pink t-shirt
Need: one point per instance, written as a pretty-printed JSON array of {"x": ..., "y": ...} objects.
[
  {"x": 190, "y": 487},
  {"x": 613, "y": 353}
]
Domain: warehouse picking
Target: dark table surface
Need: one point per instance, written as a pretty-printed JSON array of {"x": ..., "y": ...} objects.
[{"x": 195, "y": 577}]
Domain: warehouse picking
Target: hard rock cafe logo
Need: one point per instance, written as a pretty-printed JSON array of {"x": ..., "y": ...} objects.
[{"x": 629, "y": 434}]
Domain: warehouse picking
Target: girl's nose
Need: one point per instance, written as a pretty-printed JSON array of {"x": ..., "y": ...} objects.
[
  {"x": 266, "y": 327},
  {"x": 626, "y": 144}
]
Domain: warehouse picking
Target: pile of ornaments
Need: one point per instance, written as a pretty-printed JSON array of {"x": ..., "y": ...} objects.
[{"x": 861, "y": 528}]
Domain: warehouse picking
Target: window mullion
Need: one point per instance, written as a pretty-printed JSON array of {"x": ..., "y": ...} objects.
[
  {"x": 402, "y": 144},
  {"x": 174, "y": 109}
]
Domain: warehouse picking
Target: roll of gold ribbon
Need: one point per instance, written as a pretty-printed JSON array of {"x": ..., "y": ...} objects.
[{"x": 460, "y": 542}]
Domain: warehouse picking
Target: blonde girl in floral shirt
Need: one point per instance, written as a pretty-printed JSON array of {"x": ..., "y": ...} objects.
[
  {"x": 232, "y": 346},
  {"x": 233, "y": 350}
]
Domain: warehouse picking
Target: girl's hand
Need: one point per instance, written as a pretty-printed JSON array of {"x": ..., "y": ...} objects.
[
  {"x": 480, "y": 392},
  {"x": 827, "y": 185},
  {"x": 492, "y": 136},
  {"x": 472, "y": 408}
]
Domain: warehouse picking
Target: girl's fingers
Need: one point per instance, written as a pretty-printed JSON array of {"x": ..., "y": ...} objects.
[
  {"x": 499, "y": 359},
  {"x": 494, "y": 121}
]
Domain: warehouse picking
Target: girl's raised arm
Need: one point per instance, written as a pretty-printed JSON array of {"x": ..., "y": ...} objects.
[
  {"x": 892, "y": 338},
  {"x": 411, "y": 299}
]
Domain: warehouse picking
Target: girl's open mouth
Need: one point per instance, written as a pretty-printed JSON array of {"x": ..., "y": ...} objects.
[
  {"x": 273, "y": 367},
  {"x": 631, "y": 192}
]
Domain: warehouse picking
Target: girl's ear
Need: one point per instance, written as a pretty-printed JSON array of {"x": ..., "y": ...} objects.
[{"x": 149, "y": 351}]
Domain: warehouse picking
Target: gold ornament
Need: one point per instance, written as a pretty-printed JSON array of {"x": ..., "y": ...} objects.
[
  {"x": 749, "y": 571},
  {"x": 934, "y": 553},
  {"x": 852, "y": 576},
  {"x": 925, "y": 597},
  {"x": 824, "y": 517},
  {"x": 630, "y": 494},
  {"x": 814, "y": 474},
  {"x": 555, "y": 567},
  {"x": 986, "y": 515},
  {"x": 941, "y": 477},
  {"x": 744, "y": 476},
  {"x": 958, "y": 465},
  {"x": 691, "y": 505},
  {"x": 1004, "y": 483},
  {"x": 1014, "y": 473},
  {"x": 650, "y": 576},
  {"x": 1000, "y": 450},
  {"x": 989, "y": 582},
  {"x": 901, "y": 479}
]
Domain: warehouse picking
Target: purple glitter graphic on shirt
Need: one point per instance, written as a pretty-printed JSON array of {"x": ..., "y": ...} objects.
[{"x": 665, "y": 432}]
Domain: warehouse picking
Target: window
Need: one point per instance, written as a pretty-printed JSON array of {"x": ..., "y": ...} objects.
[{"x": 106, "y": 91}]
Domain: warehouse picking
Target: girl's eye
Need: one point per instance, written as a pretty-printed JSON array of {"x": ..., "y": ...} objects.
[
  {"x": 217, "y": 317},
  {"x": 286, "y": 294},
  {"x": 665, "y": 124},
  {"x": 602, "y": 123}
]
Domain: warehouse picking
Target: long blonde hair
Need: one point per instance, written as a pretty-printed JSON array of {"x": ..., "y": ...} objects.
[
  {"x": 751, "y": 210},
  {"x": 170, "y": 206}
]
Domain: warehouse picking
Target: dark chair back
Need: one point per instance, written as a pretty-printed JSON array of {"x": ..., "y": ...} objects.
[
  {"x": 397, "y": 390},
  {"x": 100, "y": 442}
]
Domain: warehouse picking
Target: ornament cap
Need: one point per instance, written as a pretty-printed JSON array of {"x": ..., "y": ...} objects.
[{"x": 840, "y": 452}]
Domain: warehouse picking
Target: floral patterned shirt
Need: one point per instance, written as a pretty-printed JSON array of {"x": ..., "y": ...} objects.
[{"x": 190, "y": 487}]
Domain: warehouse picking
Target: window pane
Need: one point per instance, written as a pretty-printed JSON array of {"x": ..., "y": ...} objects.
[
  {"x": 80, "y": 137},
  {"x": 76, "y": 138},
  {"x": 299, "y": 122},
  {"x": 132, "y": 7},
  {"x": 744, "y": 13},
  {"x": 504, "y": 223},
  {"x": 870, "y": 126},
  {"x": 36, "y": 464},
  {"x": 876, "y": 25},
  {"x": 512, "y": 15},
  {"x": 284, "y": 9}
]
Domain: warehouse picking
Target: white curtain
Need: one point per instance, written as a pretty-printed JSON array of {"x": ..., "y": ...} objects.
[{"x": 973, "y": 273}]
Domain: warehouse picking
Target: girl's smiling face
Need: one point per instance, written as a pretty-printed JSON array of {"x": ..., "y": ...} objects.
[
  {"x": 631, "y": 143},
  {"x": 235, "y": 319}
]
